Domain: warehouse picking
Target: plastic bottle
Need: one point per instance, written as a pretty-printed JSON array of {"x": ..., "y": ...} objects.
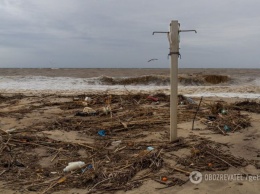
[{"x": 74, "y": 165}]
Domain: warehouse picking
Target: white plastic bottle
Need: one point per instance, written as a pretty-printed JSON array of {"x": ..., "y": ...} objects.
[{"x": 74, "y": 165}]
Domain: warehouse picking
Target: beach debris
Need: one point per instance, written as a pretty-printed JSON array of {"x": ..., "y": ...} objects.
[
  {"x": 190, "y": 100},
  {"x": 226, "y": 128},
  {"x": 116, "y": 143},
  {"x": 89, "y": 167},
  {"x": 211, "y": 153},
  {"x": 88, "y": 99},
  {"x": 102, "y": 133},
  {"x": 152, "y": 98},
  {"x": 247, "y": 105},
  {"x": 210, "y": 164},
  {"x": 73, "y": 166},
  {"x": 108, "y": 170},
  {"x": 183, "y": 100},
  {"x": 89, "y": 110},
  {"x": 223, "y": 120},
  {"x": 164, "y": 179},
  {"x": 223, "y": 111},
  {"x": 10, "y": 130},
  {"x": 76, "y": 99},
  {"x": 150, "y": 148},
  {"x": 106, "y": 109}
]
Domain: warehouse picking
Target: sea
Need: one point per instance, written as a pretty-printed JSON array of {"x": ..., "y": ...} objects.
[{"x": 193, "y": 82}]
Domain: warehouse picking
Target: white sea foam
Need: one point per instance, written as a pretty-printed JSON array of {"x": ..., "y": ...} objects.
[{"x": 41, "y": 84}]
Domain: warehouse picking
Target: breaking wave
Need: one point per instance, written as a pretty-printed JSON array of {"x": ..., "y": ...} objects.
[{"x": 160, "y": 80}]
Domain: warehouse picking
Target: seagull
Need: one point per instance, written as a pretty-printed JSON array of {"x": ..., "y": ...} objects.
[{"x": 151, "y": 60}]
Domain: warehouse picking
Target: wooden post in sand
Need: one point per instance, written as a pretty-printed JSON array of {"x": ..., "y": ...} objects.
[{"x": 173, "y": 37}]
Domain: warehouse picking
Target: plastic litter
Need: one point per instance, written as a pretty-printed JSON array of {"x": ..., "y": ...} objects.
[
  {"x": 102, "y": 133},
  {"x": 74, "y": 165},
  {"x": 226, "y": 128},
  {"x": 89, "y": 110},
  {"x": 88, "y": 99},
  {"x": 191, "y": 101},
  {"x": 87, "y": 168},
  {"x": 107, "y": 109},
  {"x": 223, "y": 111},
  {"x": 116, "y": 143},
  {"x": 10, "y": 130},
  {"x": 152, "y": 98},
  {"x": 150, "y": 148},
  {"x": 76, "y": 99}
]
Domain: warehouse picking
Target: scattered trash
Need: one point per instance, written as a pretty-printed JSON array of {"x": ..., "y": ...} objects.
[
  {"x": 164, "y": 179},
  {"x": 106, "y": 109},
  {"x": 191, "y": 101},
  {"x": 89, "y": 110},
  {"x": 10, "y": 130},
  {"x": 223, "y": 111},
  {"x": 116, "y": 143},
  {"x": 88, "y": 99},
  {"x": 87, "y": 168},
  {"x": 62, "y": 179},
  {"x": 86, "y": 112},
  {"x": 226, "y": 128},
  {"x": 73, "y": 166},
  {"x": 76, "y": 99},
  {"x": 102, "y": 133},
  {"x": 152, "y": 98},
  {"x": 150, "y": 148}
]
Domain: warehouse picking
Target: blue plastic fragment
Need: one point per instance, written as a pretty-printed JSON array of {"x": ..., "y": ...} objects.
[
  {"x": 226, "y": 128},
  {"x": 102, "y": 133}
]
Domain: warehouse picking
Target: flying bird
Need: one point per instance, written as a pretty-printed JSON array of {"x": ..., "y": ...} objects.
[{"x": 152, "y": 60}]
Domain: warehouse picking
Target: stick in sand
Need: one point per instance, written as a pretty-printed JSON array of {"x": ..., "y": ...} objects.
[{"x": 196, "y": 113}]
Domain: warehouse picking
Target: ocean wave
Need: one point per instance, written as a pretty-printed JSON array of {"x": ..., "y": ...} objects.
[{"x": 160, "y": 80}]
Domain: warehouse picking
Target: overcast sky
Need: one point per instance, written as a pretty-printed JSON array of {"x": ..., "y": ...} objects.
[{"x": 118, "y": 33}]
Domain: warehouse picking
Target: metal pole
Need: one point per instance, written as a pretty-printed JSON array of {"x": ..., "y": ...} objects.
[{"x": 174, "y": 53}]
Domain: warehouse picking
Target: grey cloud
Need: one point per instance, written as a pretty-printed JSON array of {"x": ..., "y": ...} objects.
[{"x": 116, "y": 33}]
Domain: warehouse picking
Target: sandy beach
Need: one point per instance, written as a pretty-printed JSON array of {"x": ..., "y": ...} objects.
[{"x": 123, "y": 139}]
